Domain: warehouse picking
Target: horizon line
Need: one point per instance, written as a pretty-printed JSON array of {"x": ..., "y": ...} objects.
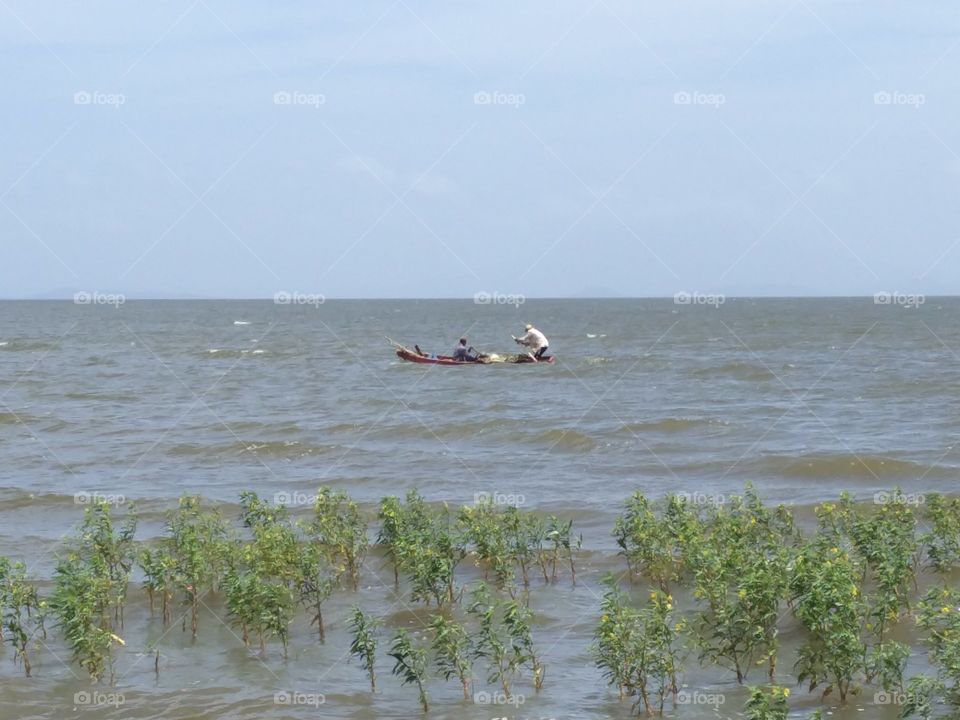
[{"x": 133, "y": 298}]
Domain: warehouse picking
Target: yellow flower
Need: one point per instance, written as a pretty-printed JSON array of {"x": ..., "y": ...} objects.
[{"x": 944, "y": 610}]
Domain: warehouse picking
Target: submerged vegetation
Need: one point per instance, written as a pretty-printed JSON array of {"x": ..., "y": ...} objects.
[{"x": 848, "y": 584}]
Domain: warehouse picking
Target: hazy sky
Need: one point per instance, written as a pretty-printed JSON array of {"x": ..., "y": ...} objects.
[{"x": 387, "y": 149}]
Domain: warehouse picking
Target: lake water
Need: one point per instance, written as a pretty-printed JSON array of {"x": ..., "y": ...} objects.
[{"x": 154, "y": 399}]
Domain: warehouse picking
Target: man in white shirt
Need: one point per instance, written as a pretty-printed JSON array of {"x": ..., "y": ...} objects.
[{"x": 535, "y": 340}]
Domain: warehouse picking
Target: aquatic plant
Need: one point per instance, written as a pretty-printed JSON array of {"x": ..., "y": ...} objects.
[
  {"x": 159, "y": 568},
  {"x": 638, "y": 650},
  {"x": 427, "y": 547},
  {"x": 82, "y": 600},
  {"x": 490, "y": 645},
  {"x": 452, "y": 651},
  {"x": 562, "y": 544},
  {"x": 364, "y": 630},
  {"x": 516, "y": 620},
  {"x": 938, "y": 615},
  {"x": 740, "y": 576},
  {"x": 91, "y": 585},
  {"x": 23, "y": 612},
  {"x": 646, "y": 542},
  {"x": 339, "y": 526},
  {"x": 482, "y": 527},
  {"x": 942, "y": 541},
  {"x": 615, "y": 638},
  {"x": 315, "y": 583},
  {"x": 198, "y": 543},
  {"x": 768, "y": 703},
  {"x": 399, "y": 520},
  {"x": 110, "y": 550},
  {"x": 826, "y": 598},
  {"x": 410, "y": 665}
]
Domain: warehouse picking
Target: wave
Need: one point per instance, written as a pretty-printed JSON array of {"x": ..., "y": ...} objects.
[
  {"x": 101, "y": 397},
  {"x": 223, "y": 353},
  {"x": 95, "y": 360},
  {"x": 562, "y": 440},
  {"x": 601, "y": 360},
  {"x": 668, "y": 425},
  {"x": 283, "y": 449},
  {"x": 25, "y": 345},
  {"x": 838, "y": 466},
  {"x": 737, "y": 371},
  {"x": 446, "y": 431}
]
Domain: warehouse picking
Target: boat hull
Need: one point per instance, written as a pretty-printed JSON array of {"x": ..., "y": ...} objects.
[{"x": 423, "y": 359}]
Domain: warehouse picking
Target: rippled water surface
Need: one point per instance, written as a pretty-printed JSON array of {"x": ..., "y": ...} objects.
[{"x": 155, "y": 399}]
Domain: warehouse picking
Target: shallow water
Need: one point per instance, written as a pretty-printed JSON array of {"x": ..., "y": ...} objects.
[{"x": 156, "y": 399}]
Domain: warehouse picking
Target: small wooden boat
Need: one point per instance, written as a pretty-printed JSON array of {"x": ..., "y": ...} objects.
[{"x": 418, "y": 356}]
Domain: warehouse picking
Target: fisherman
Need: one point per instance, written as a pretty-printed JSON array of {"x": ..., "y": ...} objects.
[
  {"x": 535, "y": 340},
  {"x": 462, "y": 353}
]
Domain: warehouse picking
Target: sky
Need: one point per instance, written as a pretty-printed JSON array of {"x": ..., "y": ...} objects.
[{"x": 214, "y": 148}]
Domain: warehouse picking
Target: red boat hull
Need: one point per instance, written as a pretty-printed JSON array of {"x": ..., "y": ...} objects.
[{"x": 424, "y": 359}]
